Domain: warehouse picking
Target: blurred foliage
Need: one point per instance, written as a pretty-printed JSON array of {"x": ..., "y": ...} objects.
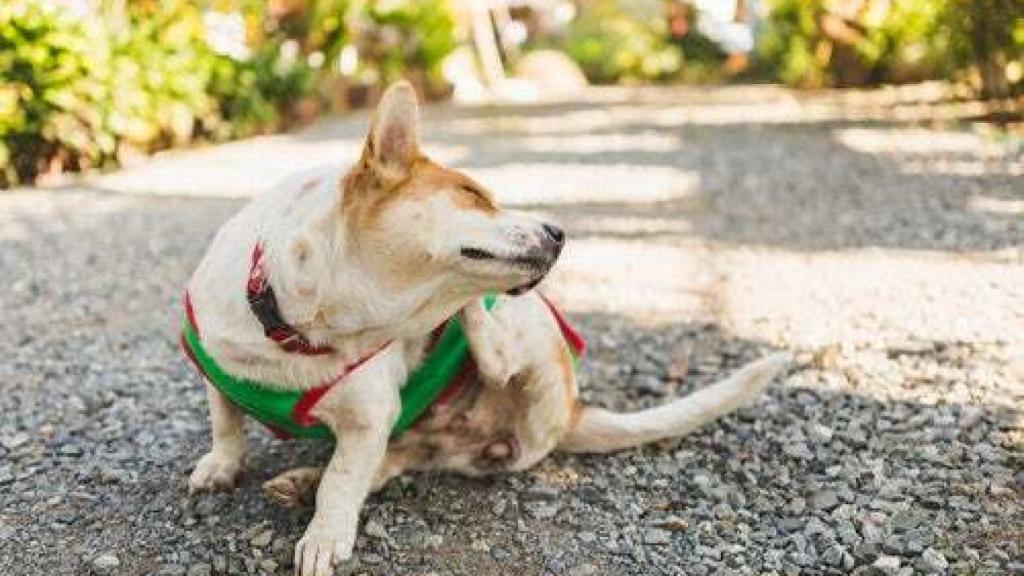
[
  {"x": 77, "y": 90},
  {"x": 405, "y": 38},
  {"x": 89, "y": 90},
  {"x": 816, "y": 43},
  {"x": 623, "y": 41}
]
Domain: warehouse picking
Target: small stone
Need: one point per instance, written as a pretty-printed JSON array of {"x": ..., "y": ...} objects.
[
  {"x": 833, "y": 555},
  {"x": 371, "y": 558},
  {"x": 825, "y": 500},
  {"x": 583, "y": 570},
  {"x": 268, "y": 565},
  {"x": 262, "y": 539},
  {"x": 649, "y": 385},
  {"x": 819, "y": 433},
  {"x": 105, "y": 563},
  {"x": 14, "y": 441},
  {"x": 375, "y": 529},
  {"x": 433, "y": 541},
  {"x": 657, "y": 536},
  {"x": 539, "y": 492},
  {"x": 499, "y": 554},
  {"x": 201, "y": 569},
  {"x": 799, "y": 450},
  {"x": 73, "y": 450},
  {"x": 542, "y": 510},
  {"x": 933, "y": 562},
  {"x": 673, "y": 523},
  {"x": 872, "y": 533},
  {"x": 888, "y": 565}
]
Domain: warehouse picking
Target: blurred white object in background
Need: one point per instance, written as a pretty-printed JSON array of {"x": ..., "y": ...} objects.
[
  {"x": 479, "y": 73},
  {"x": 225, "y": 33},
  {"x": 717, "y": 19},
  {"x": 348, "y": 60}
]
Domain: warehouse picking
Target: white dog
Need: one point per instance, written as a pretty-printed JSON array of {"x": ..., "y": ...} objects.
[{"x": 343, "y": 303}]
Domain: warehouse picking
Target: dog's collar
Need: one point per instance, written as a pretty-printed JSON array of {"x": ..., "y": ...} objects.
[{"x": 263, "y": 304}]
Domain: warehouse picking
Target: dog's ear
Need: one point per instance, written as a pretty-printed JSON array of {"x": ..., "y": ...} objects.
[{"x": 392, "y": 145}]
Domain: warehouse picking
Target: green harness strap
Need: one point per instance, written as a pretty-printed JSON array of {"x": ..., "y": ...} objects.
[{"x": 275, "y": 408}]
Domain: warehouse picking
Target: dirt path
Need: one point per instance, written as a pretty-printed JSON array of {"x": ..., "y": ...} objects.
[{"x": 706, "y": 228}]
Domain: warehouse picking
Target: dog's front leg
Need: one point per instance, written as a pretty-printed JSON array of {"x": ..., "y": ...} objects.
[
  {"x": 489, "y": 343},
  {"x": 219, "y": 467},
  {"x": 360, "y": 411}
]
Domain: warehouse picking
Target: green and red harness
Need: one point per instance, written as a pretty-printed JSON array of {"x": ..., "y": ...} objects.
[{"x": 288, "y": 413}]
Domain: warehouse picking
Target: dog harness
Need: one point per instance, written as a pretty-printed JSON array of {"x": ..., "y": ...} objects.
[{"x": 288, "y": 413}]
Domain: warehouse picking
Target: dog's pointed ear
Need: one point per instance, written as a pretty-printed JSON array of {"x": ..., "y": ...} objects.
[{"x": 393, "y": 143}]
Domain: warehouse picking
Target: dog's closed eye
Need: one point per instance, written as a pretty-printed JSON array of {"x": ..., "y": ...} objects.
[{"x": 477, "y": 254}]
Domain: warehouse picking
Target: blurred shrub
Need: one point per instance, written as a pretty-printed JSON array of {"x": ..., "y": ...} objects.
[
  {"x": 76, "y": 91},
  {"x": 815, "y": 43},
  {"x": 80, "y": 91},
  {"x": 623, "y": 41},
  {"x": 405, "y": 39},
  {"x": 986, "y": 41}
]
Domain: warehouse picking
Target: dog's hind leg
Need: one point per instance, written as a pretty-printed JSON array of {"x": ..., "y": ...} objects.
[
  {"x": 297, "y": 486},
  {"x": 490, "y": 345},
  {"x": 293, "y": 487}
]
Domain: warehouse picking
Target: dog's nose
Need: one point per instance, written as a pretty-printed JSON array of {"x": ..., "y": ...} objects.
[{"x": 554, "y": 234}]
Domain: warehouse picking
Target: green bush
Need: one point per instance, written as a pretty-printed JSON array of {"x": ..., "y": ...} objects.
[
  {"x": 79, "y": 91},
  {"x": 402, "y": 38},
  {"x": 815, "y": 43},
  {"x": 986, "y": 44},
  {"x": 623, "y": 41}
]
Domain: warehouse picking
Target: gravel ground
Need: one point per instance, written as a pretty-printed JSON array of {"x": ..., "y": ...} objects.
[{"x": 706, "y": 230}]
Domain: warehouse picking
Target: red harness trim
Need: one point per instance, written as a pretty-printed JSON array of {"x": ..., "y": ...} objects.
[
  {"x": 579, "y": 345},
  {"x": 263, "y": 303},
  {"x": 309, "y": 399}
]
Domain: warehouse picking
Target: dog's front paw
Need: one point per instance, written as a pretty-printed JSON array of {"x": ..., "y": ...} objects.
[
  {"x": 214, "y": 472},
  {"x": 322, "y": 548}
]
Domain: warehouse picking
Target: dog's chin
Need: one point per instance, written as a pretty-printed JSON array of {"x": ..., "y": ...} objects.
[
  {"x": 524, "y": 288},
  {"x": 527, "y": 286}
]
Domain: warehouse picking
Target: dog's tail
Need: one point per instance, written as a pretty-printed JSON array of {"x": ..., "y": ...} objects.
[{"x": 598, "y": 430}]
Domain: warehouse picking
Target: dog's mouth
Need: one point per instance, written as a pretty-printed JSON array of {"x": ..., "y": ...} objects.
[{"x": 536, "y": 264}]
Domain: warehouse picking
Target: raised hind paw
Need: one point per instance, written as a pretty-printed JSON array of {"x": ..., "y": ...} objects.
[{"x": 294, "y": 487}]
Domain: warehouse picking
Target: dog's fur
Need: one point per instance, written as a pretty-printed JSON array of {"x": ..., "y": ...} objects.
[{"x": 377, "y": 256}]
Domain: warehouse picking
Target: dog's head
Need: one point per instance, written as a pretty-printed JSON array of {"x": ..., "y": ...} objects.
[{"x": 420, "y": 228}]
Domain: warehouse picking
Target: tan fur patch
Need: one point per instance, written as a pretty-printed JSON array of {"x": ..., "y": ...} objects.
[{"x": 367, "y": 192}]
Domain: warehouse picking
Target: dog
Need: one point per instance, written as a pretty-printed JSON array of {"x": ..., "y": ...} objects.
[{"x": 391, "y": 306}]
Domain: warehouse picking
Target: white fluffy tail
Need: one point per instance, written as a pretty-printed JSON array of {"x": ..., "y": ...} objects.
[{"x": 598, "y": 430}]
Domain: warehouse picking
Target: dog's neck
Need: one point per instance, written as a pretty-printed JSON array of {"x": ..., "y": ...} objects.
[{"x": 327, "y": 291}]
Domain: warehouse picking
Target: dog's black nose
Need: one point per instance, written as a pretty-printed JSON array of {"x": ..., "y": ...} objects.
[{"x": 554, "y": 233}]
